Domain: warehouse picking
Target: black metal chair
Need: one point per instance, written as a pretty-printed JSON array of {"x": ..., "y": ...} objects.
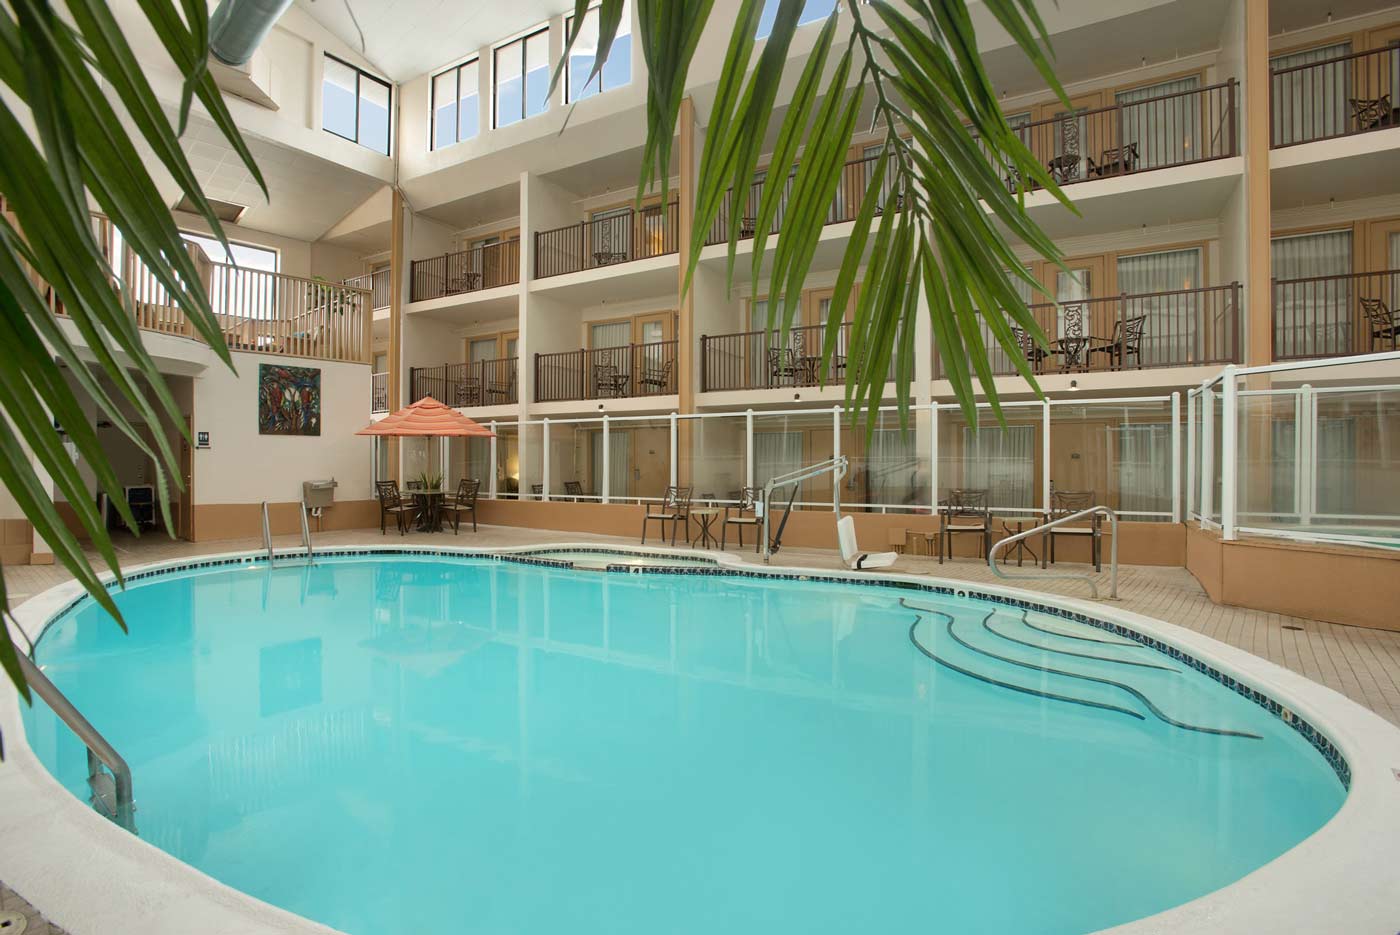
[
  {"x": 674, "y": 509},
  {"x": 463, "y": 502},
  {"x": 1385, "y": 324},
  {"x": 1065, "y": 503},
  {"x": 744, "y": 514},
  {"x": 1126, "y": 342},
  {"x": 965, "y": 512},
  {"x": 1035, "y": 354},
  {"x": 537, "y": 490},
  {"x": 782, "y": 366},
  {"x": 656, "y": 381},
  {"x": 467, "y": 392},
  {"x": 391, "y": 504},
  {"x": 608, "y": 381},
  {"x": 573, "y": 489}
]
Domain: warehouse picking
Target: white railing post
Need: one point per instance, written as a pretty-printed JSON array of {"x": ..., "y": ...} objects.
[
  {"x": 1176, "y": 457},
  {"x": 1229, "y": 452},
  {"x": 1207, "y": 455},
  {"x": 494, "y": 462},
  {"x": 1045, "y": 481},
  {"x": 544, "y": 459},
  {"x": 1191, "y": 453},
  {"x": 607, "y": 445},
  {"x": 1305, "y": 470},
  {"x": 933, "y": 456},
  {"x": 674, "y": 472},
  {"x": 748, "y": 448},
  {"x": 836, "y": 453}
]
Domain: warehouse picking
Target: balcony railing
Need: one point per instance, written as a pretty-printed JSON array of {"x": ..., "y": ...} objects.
[
  {"x": 761, "y": 360},
  {"x": 484, "y": 267},
  {"x": 605, "y": 241},
  {"x": 607, "y": 372},
  {"x": 1339, "y": 96},
  {"x": 483, "y": 383},
  {"x": 1181, "y": 328},
  {"x": 845, "y": 204},
  {"x": 378, "y": 283},
  {"x": 1336, "y": 316},
  {"x": 379, "y": 392}
]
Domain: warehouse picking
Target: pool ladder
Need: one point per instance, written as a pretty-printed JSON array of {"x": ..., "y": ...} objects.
[
  {"x": 305, "y": 534},
  {"x": 1045, "y": 527},
  {"x": 111, "y": 788}
]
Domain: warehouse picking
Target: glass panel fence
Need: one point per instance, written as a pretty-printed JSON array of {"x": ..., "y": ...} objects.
[{"x": 1115, "y": 454}]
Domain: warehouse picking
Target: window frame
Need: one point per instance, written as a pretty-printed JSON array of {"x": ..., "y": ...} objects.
[
  {"x": 522, "y": 41},
  {"x": 264, "y": 248},
  {"x": 456, "y": 71},
  {"x": 388, "y": 110},
  {"x": 568, "y": 76}
]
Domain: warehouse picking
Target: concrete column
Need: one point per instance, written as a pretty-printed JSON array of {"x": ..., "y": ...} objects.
[
  {"x": 1258, "y": 298},
  {"x": 398, "y": 298},
  {"x": 687, "y": 344}
]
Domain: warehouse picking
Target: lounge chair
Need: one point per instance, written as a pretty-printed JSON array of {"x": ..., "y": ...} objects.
[
  {"x": 463, "y": 502},
  {"x": 391, "y": 504},
  {"x": 855, "y": 559},
  {"x": 746, "y": 513},
  {"x": 674, "y": 509}
]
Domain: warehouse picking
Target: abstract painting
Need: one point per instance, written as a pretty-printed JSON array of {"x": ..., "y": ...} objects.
[{"x": 289, "y": 400}]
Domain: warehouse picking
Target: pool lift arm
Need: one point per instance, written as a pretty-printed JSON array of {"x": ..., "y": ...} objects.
[{"x": 836, "y": 466}]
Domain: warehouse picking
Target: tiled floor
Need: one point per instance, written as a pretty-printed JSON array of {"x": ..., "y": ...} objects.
[
  {"x": 1362, "y": 664},
  {"x": 13, "y": 907}
]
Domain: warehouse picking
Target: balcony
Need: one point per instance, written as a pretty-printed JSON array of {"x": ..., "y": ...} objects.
[
  {"x": 1182, "y": 328},
  {"x": 760, "y": 360},
  {"x": 483, "y": 383},
  {"x": 1336, "y": 316},
  {"x": 629, "y": 371},
  {"x": 1336, "y": 97},
  {"x": 379, "y": 392},
  {"x": 484, "y": 267},
  {"x": 378, "y": 283},
  {"x": 850, "y": 190},
  {"x": 606, "y": 241}
]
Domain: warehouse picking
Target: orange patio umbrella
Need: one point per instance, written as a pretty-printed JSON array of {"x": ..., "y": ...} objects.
[{"x": 427, "y": 418}]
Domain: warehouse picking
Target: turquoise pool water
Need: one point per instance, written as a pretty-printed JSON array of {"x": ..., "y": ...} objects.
[{"x": 395, "y": 745}]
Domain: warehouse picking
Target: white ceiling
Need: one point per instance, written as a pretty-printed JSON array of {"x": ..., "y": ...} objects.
[
  {"x": 306, "y": 194},
  {"x": 407, "y": 38}
]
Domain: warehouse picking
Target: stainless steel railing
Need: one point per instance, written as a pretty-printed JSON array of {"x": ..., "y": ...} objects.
[
  {"x": 1044, "y": 527},
  {"x": 305, "y": 532},
  {"x": 836, "y": 466},
  {"x": 267, "y": 533},
  {"x": 111, "y": 795}
]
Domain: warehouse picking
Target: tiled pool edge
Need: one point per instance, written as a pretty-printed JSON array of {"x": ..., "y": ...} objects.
[{"x": 54, "y": 846}]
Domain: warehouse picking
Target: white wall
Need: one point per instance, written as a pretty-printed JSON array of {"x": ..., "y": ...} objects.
[{"x": 242, "y": 466}]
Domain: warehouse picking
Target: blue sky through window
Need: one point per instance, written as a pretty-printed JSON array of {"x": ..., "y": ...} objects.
[{"x": 812, "y": 11}]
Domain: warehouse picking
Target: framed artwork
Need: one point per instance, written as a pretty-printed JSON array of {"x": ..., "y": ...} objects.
[{"x": 289, "y": 400}]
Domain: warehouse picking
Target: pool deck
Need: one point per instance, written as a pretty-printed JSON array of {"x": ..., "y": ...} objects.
[{"x": 1362, "y": 664}]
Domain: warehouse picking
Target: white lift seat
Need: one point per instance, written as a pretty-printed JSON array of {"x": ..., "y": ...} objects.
[{"x": 855, "y": 559}]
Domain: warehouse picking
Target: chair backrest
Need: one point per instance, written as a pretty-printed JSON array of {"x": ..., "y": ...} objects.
[
  {"x": 573, "y": 488},
  {"x": 1073, "y": 316},
  {"x": 779, "y": 358},
  {"x": 747, "y": 496},
  {"x": 677, "y": 499},
  {"x": 467, "y": 490},
  {"x": 846, "y": 536},
  {"x": 1136, "y": 327},
  {"x": 604, "y": 373},
  {"x": 387, "y": 491},
  {"x": 1064, "y": 502},
  {"x": 1377, "y": 312},
  {"x": 967, "y": 501},
  {"x": 537, "y": 489}
]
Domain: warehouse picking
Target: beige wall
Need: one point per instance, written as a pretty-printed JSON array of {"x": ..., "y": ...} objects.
[{"x": 242, "y": 466}]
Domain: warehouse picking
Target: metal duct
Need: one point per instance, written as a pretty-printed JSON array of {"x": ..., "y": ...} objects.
[{"x": 238, "y": 27}]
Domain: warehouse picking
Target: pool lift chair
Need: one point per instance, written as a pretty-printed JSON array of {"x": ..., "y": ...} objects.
[{"x": 845, "y": 527}]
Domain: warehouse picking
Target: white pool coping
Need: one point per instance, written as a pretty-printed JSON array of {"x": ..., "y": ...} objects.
[{"x": 92, "y": 878}]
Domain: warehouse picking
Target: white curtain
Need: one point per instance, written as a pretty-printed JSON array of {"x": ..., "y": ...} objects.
[
  {"x": 892, "y": 468},
  {"x": 1310, "y": 103},
  {"x": 1001, "y": 461},
  {"x": 774, "y": 454},
  {"x": 619, "y": 462},
  {"x": 1395, "y": 253},
  {"x": 1312, "y": 318},
  {"x": 1144, "y": 466},
  {"x": 1336, "y": 467},
  {"x": 1167, "y": 131},
  {"x": 1172, "y": 332},
  {"x": 478, "y": 464}
]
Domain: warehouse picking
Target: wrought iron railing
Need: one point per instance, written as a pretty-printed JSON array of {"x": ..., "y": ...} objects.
[
  {"x": 851, "y": 189},
  {"x": 1336, "y": 316},
  {"x": 606, "y": 372},
  {"x": 756, "y": 360},
  {"x": 378, "y": 283},
  {"x": 604, "y": 241},
  {"x": 1340, "y": 96},
  {"x": 482, "y": 383},
  {"x": 484, "y": 267},
  {"x": 379, "y": 392}
]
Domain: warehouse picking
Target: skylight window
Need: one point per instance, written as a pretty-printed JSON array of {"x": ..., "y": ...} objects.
[
  {"x": 812, "y": 11},
  {"x": 456, "y": 104},
  {"x": 355, "y": 105},
  {"x": 617, "y": 70},
  {"x": 520, "y": 78}
]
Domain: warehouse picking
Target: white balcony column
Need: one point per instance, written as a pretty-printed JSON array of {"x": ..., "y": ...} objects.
[
  {"x": 835, "y": 453},
  {"x": 544, "y": 458},
  {"x": 1305, "y": 445},
  {"x": 1207, "y": 454},
  {"x": 1229, "y": 451},
  {"x": 1192, "y": 475},
  {"x": 1045, "y": 480},
  {"x": 607, "y": 466},
  {"x": 494, "y": 462},
  {"x": 1176, "y": 457}
]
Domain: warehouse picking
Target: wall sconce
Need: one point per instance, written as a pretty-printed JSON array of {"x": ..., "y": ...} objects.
[{"x": 1074, "y": 386}]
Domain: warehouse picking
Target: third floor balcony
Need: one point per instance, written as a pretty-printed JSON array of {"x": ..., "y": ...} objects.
[
  {"x": 1336, "y": 316},
  {"x": 607, "y": 239},
  {"x": 625, "y": 371},
  {"x": 1330, "y": 93},
  {"x": 481, "y": 267}
]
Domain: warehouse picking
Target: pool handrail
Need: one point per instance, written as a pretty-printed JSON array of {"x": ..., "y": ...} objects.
[
  {"x": 267, "y": 533},
  {"x": 1046, "y": 527},
  {"x": 123, "y": 809},
  {"x": 305, "y": 532}
]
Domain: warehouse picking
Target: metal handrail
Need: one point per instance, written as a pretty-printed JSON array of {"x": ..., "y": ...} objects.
[
  {"x": 1044, "y": 527},
  {"x": 267, "y": 533},
  {"x": 836, "y": 465},
  {"x": 305, "y": 532},
  {"x": 122, "y": 809}
]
